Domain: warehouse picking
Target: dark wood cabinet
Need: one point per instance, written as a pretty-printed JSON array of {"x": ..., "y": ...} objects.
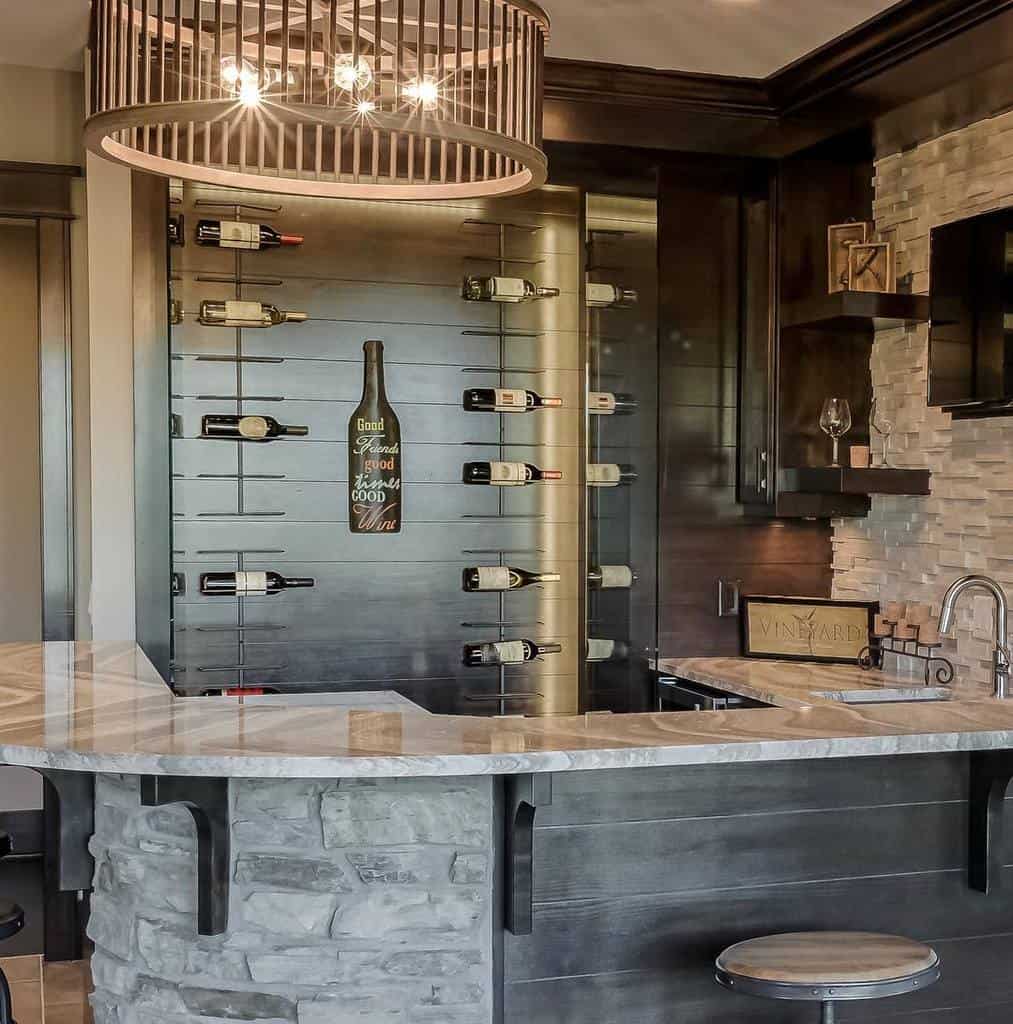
[{"x": 800, "y": 345}]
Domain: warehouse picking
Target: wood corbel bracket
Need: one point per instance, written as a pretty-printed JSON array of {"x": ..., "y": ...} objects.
[
  {"x": 524, "y": 795},
  {"x": 207, "y": 800}
]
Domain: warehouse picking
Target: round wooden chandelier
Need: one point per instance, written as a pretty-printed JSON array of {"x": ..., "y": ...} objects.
[{"x": 364, "y": 99}]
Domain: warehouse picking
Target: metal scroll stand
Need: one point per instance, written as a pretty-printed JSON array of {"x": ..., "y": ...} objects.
[
  {"x": 502, "y": 333},
  {"x": 935, "y": 665},
  {"x": 242, "y": 628}
]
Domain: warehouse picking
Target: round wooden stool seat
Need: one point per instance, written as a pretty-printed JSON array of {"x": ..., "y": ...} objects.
[
  {"x": 12, "y": 919},
  {"x": 827, "y": 966}
]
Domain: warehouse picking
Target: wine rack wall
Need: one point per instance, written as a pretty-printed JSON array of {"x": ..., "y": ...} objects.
[
  {"x": 622, "y": 237},
  {"x": 386, "y": 611}
]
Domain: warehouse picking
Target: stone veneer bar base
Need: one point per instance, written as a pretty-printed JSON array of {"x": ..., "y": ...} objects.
[{"x": 359, "y": 902}]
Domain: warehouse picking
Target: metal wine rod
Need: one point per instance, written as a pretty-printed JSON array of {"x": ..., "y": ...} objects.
[
  {"x": 238, "y": 359},
  {"x": 612, "y": 233},
  {"x": 234, "y": 398},
  {"x": 260, "y": 282},
  {"x": 503, "y": 515},
  {"x": 232, "y": 629},
  {"x": 504, "y": 623},
  {"x": 241, "y": 668},
  {"x": 500, "y": 370},
  {"x": 481, "y": 332},
  {"x": 502, "y": 259},
  {"x": 478, "y": 223},
  {"x": 503, "y": 552},
  {"x": 477, "y": 697},
  {"x": 206, "y": 204},
  {"x": 241, "y": 551},
  {"x": 233, "y": 476},
  {"x": 239, "y": 515}
]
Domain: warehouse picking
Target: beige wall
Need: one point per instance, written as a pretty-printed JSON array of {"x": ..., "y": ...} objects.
[
  {"x": 909, "y": 548},
  {"x": 20, "y": 495},
  {"x": 42, "y": 111}
]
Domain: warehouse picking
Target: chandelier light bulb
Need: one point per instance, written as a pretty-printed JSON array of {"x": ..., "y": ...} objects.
[
  {"x": 349, "y": 75},
  {"x": 249, "y": 93},
  {"x": 365, "y": 107},
  {"x": 425, "y": 92}
]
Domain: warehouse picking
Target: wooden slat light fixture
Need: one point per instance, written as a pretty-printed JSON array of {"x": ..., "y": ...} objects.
[{"x": 365, "y": 99}]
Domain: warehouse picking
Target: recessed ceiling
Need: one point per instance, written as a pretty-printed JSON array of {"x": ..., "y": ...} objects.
[
  {"x": 47, "y": 34},
  {"x": 747, "y": 38}
]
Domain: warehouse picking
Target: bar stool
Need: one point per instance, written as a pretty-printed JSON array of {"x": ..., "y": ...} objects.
[
  {"x": 827, "y": 967},
  {"x": 12, "y": 920}
]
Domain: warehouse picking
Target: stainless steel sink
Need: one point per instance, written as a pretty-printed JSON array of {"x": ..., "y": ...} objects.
[{"x": 914, "y": 694}]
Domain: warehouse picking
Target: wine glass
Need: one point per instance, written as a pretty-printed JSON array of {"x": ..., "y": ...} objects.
[
  {"x": 835, "y": 421},
  {"x": 884, "y": 427}
]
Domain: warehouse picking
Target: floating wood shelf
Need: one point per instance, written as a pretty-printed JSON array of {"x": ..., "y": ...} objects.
[
  {"x": 848, "y": 310},
  {"x": 844, "y": 480}
]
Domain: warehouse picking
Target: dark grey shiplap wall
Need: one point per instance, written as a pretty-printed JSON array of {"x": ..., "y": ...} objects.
[
  {"x": 643, "y": 876},
  {"x": 387, "y": 611}
]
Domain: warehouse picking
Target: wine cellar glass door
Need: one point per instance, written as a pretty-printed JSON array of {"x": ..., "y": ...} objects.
[
  {"x": 622, "y": 473},
  {"x": 409, "y": 517}
]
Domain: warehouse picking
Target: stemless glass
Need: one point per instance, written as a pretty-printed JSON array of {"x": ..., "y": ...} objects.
[
  {"x": 884, "y": 427},
  {"x": 835, "y": 421}
]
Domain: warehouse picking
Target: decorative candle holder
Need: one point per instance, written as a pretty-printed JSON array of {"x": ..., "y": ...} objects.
[{"x": 921, "y": 646}]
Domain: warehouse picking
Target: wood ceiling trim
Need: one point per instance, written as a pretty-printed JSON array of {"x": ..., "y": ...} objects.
[{"x": 882, "y": 43}]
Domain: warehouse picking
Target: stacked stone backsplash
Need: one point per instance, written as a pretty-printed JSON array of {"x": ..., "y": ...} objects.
[
  {"x": 910, "y": 548},
  {"x": 360, "y": 902}
]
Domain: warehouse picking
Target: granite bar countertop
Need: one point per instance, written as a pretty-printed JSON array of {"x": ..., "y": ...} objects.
[
  {"x": 796, "y": 684},
  {"x": 104, "y": 708}
]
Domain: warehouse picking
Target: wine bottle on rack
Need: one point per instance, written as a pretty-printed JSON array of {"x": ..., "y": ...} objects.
[
  {"x": 503, "y": 289},
  {"x": 506, "y": 400},
  {"x": 507, "y": 652},
  {"x": 374, "y": 454},
  {"x": 503, "y": 577},
  {"x": 507, "y": 474},
  {"x": 234, "y": 313},
  {"x": 606, "y": 650},
  {"x": 248, "y": 428},
  {"x": 250, "y": 584},
  {"x": 609, "y": 474},
  {"x": 611, "y": 577},
  {"x": 176, "y": 236},
  {"x": 235, "y": 234},
  {"x": 606, "y": 296},
  {"x": 605, "y": 403}
]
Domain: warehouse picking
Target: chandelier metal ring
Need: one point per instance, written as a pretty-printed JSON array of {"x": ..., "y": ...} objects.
[{"x": 380, "y": 99}]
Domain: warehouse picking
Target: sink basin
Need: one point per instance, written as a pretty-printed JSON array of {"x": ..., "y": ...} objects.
[{"x": 914, "y": 694}]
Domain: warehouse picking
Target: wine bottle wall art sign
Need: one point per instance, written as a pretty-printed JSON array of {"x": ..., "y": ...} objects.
[{"x": 374, "y": 454}]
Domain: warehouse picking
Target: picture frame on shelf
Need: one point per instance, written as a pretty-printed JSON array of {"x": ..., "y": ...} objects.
[
  {"x": 806, "y": 628},
  {"x": 871, "y": 267},
  {"x": 840, "y": 239}
]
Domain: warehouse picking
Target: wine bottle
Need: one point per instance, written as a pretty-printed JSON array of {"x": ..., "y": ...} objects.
[
  {"x": 235, "y": 234},
  {"x": 503, "y": 577},
  {"x": 507, "y": 652},
  {"x": 605, "y": 403},
  {"x": 506, "y": 400},
  {"x": 503, "y": 289},
  {"x": 234, "y": 313},
  {"x": 507, "y": 474},
  {"x": 248, "y": 428},
  {"x": 250, "y": 584},
  {"x": 176, "y": 236},
  {"x": 604, "y": 296},
  {"x": 611, "y": 577},
  {"x": 606, "y": 650},
  {"x": 374, "y": 454},
  {"x": 609, "y": 474}
]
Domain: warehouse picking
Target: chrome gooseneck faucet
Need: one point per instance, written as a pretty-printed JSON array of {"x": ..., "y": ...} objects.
[{"x": 1001, "y": 656}]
